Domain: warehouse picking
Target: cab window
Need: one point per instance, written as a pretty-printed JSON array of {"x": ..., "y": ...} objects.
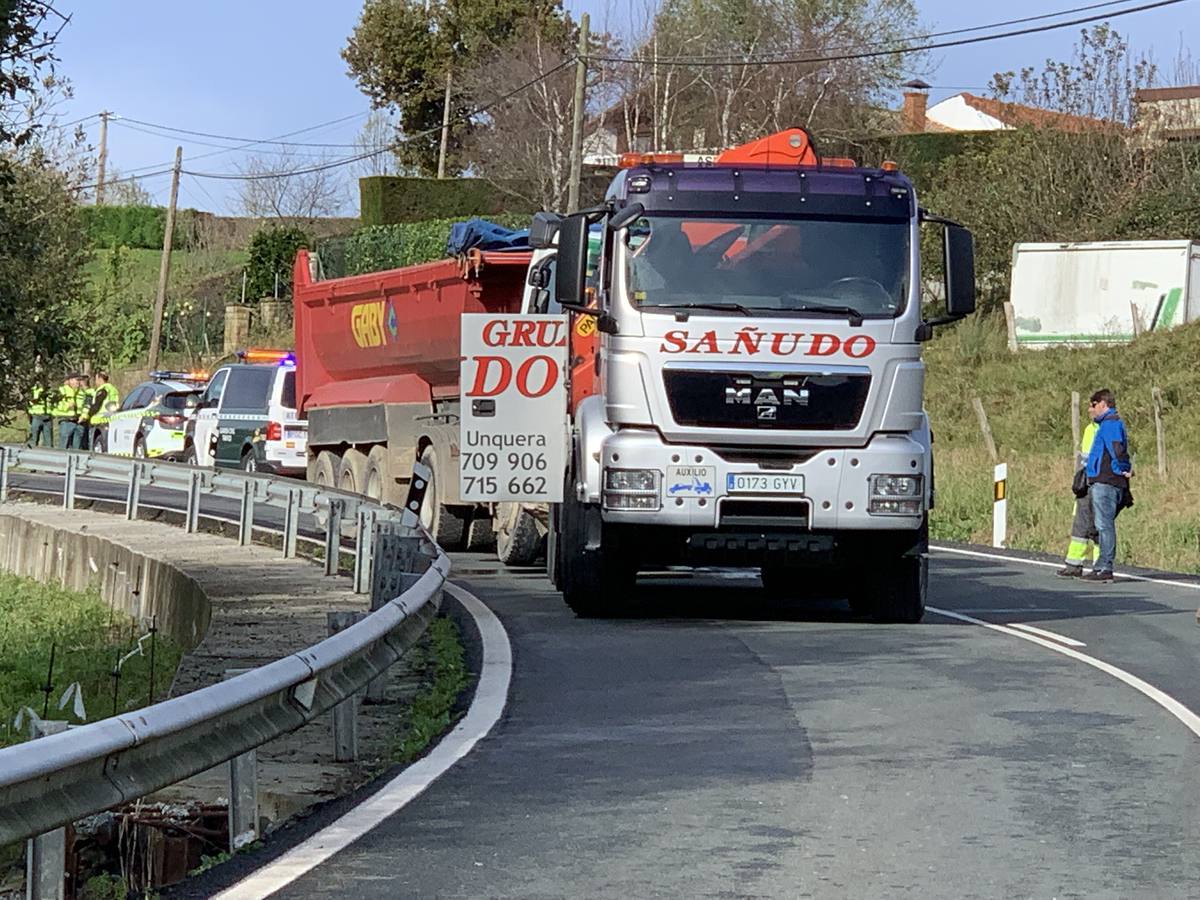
[
  {"x": 287, "y": 393},
  {"x": 140, "y": 397},
  {"x": 249, "y": 387},
  {"x": 212, "y": 394}
]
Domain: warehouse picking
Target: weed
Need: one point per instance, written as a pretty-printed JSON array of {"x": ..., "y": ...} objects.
[{"x": 440, "y": 655}]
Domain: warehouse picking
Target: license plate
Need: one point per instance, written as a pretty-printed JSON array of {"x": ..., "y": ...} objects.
[
  {"x": 295, "y": 433},
  {"x": 763, "y": 483}
]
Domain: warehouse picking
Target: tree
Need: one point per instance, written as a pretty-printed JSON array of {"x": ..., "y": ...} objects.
[
  {"x": 378, "y": 138},
  {"x": 688, "y": 85},
  {"x": 401, "y": 51},
  {"x": 29, "y": 30},
  {"x": 286, "y": 186},
  {"x": 122, "y": 191}
]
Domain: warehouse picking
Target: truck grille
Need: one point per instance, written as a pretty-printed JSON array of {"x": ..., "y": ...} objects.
[{"x": 819, "y": 402}]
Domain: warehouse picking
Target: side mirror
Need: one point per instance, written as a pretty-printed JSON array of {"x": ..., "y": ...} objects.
[
  {"x": 626, "y": 216},
  {"x": 542, "y": 230},
  {"x": 959, "y": 263},
  {"x": 571, "y": 272}
]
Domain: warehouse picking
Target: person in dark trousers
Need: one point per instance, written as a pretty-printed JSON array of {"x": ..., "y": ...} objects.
[{"x": 1108, "y": 473}]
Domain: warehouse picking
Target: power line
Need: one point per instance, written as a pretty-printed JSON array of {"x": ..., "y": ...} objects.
[
  {"x": 337, "y": 163},
  {"x": 867, "y": 54},
  {"x": 275, "y": 140},
  {"x": 916, "y": 37},
  {"x": 224, "y": 148}
]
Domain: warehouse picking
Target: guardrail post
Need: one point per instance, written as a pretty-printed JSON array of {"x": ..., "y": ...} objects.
[
  {"x": 69, "y": 483},
  {"x": 396, "y": 566},
  {"x": 291, "y": 523},
  {"x": 46, "y": 854},
  {"x": 134, "y": 495},
  {"x": 4, "y": 467},
  {"x": 246, "y": 513},
  {"x": 192, "y": 523},
  {"x": 333, "y": 536},
  {"x": 364, "y": 549},
  {"x": 416, "y": 495},
  {"x": 243, "y": 792},
  {"x": 345, "y": 714}
]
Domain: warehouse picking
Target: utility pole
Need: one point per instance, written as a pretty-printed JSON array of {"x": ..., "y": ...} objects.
[
  {"x": 164, "y": 268},
  {"x": 445, "y": 131},
  {"x": 577, "y": 123},
  {"x": 102, "y": 159}
]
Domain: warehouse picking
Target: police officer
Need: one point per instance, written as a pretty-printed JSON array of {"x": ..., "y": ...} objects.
[
  {"x": 1083, "y": 526},
  {"x": 105, "y": 399},
  {"x": 70, "y": 411},
  {"x": 41, "y": 427}
]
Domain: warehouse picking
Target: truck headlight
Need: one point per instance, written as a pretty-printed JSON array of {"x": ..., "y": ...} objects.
[
  {"x": 896, "y": 495},
  {"x": 632, "y": 489}
]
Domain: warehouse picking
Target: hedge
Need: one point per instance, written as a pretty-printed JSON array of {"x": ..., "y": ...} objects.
[
  {"x": 392, "y": 200},
  {"x": 137, "y": 227},
  {"x": 380, "y": 247}
]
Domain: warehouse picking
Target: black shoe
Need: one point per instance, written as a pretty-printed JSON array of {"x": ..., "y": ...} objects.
[
  {"x": 1102, "y": 577},
  {"x": 1070, "y": 571}
]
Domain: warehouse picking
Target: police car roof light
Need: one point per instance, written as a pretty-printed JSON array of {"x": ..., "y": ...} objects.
[
  {"x": 165, "y": 375},
  {"x": 261, "y": 355}
]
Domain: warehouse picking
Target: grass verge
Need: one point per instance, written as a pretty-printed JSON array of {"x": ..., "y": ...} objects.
[
  {"x": 441, "y": 660},
  {"x": 88, "y": 639}
]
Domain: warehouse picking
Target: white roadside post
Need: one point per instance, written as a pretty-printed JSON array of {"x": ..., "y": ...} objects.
[{"x": 1000, "y": 505}]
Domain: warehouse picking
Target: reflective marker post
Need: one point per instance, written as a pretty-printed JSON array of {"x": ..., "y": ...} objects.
[{"x": 1000, "y": 505}]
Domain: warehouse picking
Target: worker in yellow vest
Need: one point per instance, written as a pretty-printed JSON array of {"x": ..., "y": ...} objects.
[
  {"x": 70, "y": 411},
  {"x": 105, "y": 400},
  {"x": 1084, "y": 547},
  {"x": 41, "y": 423}
]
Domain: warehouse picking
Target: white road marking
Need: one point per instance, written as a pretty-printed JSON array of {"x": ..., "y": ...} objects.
[
  {"x": 1163, "y": 699},
  {"x": 486, "y": 708},
  {"x": 1051, "y": 635},
  {"x": 1190, "y": 585}
]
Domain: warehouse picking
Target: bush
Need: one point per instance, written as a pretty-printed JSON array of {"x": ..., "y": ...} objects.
[
  {"x": 380, "y": 247},
  {"x": 272, "y": 252},
  {"x": 139, "y": 227},
  {"x": 392, "y": 200}
]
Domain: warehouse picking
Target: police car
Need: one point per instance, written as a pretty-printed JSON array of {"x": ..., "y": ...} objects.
[
  {"x": 247, "y": 418},
  {"x": 151, "y": 422}
]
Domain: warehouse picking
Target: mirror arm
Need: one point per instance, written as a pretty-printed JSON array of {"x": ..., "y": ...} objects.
[{"x": 925, "y": 215}]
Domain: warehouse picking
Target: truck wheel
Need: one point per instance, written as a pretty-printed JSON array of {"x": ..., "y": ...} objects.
[
  {"x": 480, "y": 534},
  {"x": 352, "y": 472},
  {"x": 380, "y": 486},
  {"x": 596, "y": 583},
  {"x": 898, "y": 590},
  {"x": 325, "y": 471},
  {"x": 445, "y": 525},
  {"x": 518, "y": 538},
  {"x": 553, "y": 548}
]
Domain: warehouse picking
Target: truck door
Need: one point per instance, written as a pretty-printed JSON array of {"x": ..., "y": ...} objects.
[{"x": 206, "y": 419}]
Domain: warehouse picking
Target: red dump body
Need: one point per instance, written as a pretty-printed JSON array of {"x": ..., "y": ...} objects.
[{"x": 393, "y": 337}]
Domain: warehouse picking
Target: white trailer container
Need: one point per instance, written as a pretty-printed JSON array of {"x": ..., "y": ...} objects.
[{"x": 1092, "y": 293}]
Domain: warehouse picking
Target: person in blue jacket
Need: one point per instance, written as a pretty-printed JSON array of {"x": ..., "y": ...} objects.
[{"x": 1108, "y": 472}]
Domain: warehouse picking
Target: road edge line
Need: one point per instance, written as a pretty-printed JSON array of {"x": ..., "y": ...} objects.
[
  {"x": 1123, "y": 576},
  {"x": 487, "y": 706},
  {"x": 1190, "y": 720}
]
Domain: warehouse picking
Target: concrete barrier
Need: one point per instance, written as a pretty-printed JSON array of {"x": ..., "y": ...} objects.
[{"x": 137, "y": 585}]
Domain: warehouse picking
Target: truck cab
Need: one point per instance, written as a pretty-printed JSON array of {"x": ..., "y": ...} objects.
[{"x": 759, "y": 380}]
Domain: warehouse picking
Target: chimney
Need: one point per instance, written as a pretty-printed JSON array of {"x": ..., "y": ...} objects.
[{"x": 912, "y": 115}]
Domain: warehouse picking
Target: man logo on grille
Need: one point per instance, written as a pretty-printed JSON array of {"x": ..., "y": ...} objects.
[{"x": 767, "y": 413}]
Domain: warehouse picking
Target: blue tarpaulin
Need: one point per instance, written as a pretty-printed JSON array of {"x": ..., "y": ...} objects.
[{"x": 484, "y": 235}]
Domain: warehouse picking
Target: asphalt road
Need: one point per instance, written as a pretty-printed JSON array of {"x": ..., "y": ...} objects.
[{"x": 724, "y": 746}]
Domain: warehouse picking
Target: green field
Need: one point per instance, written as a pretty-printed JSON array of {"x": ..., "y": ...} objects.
[
  {"x": 88, "y": 638},
  {"x": 188, "y": 267},
  {"x": 1027, "y": 397}
]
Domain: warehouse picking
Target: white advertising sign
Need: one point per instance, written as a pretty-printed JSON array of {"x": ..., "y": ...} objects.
[{"x": 513, "y": 443}]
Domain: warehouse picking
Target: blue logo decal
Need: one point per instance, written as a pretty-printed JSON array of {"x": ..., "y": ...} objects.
[
  {"x": 696, "y": 486},
  {"x": 393, "y": 325}
]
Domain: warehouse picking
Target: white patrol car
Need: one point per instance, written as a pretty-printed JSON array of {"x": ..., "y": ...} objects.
[
  {"x": 151, "y": 422},
  {"x": 247, "y": 417}
]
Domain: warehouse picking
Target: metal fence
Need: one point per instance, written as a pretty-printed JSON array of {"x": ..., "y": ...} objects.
[{"x": 48, "y": 782}]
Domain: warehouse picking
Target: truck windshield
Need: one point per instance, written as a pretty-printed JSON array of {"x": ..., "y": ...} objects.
[{"x": 797, "y": 266}]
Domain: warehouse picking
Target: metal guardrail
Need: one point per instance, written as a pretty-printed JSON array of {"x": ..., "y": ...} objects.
[{"x": 48, "y": 782}]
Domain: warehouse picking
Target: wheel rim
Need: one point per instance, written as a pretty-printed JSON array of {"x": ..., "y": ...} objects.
[
  {"x": 139, "y": 450},
  {"x": 374, "y": 486},
  {"x": 249, "y": 464}
]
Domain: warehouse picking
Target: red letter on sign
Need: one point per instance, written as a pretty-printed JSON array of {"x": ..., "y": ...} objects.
[
  {"x": 526, "y": 368},
  {"x": 483, "y": 365},
  {"x": 490, "y": 336}
]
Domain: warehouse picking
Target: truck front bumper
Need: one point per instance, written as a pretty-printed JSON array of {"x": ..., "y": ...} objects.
[{"x": 812, "y": 492}]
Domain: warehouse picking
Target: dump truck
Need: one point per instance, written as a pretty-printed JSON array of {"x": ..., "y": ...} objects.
[
  {"x": 742, "y": 382},
  {"x": 377, "y": 366}
]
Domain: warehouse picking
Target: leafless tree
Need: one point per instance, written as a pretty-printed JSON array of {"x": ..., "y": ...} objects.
[
  {"x": 286, "y": 186},
  {"x": 379, "y": 134}
]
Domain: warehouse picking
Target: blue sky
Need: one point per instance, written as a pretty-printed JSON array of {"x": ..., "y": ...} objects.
[{"x": 260, "y": 68}]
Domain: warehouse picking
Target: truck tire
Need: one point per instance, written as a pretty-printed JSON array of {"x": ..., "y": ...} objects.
[
  {"x": 895, "y": 592},
  {"x": 596, "y": 582},
  {"x": 518, "y": 539},
  {"x": 446, "y": 525},
  {"x": 481, "y": 535},
  {"x": 380, "y": 485},
  {"x": 325, "y": 472},
  {"x": 352, "y": 472}
]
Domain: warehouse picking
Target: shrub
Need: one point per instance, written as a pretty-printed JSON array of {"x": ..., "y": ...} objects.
[
  {"x": 139, "y": 227},
  {"x": 379, "y": 247},
  {"x": 392, "y": 200},
  {"x": 272, "y": 252}
]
